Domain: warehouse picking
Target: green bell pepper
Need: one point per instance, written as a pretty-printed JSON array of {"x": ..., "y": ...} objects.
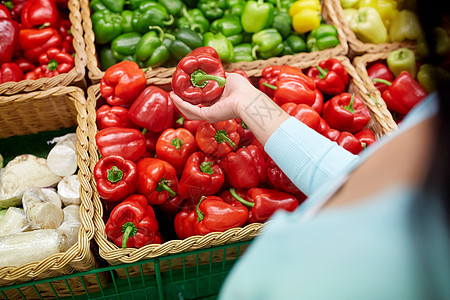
[
  {"x": 282, "y": 5},
  {"x": 323, "y": 37},
  {"x": 96, "y": 5},
  {"x": 268, "y": 43},
  {"x": 243, "y": 52},
  {"x": 127, "y": 16},
  {"x": 229, "y": 26},
  {"x": 235, "y": 7},
  {"x": 282, "y": 22},
  {"x": 402, "y": 59},
  {"x": 151, "y": 50},
  {"x": 173, "y": 7},
  {"x": 150, "y": 14},
  {"x": 193, "y": 19},
  {"x": 212, "y": 9},
  {"x": 368, "y": 26},
  {"x": 114, "y": 5},
  {"x": 294, "y": 44},
  {"x": 185, "y": 41},
  {"x": 106, "y": 58},
  {"x": 134, "y": 4},
  {"x": 106, "y": 25},
  {"x": 223, "y": 46},
  {"x": 125, "y": 44},
  {"x": 426, "y": 77},
  {"x": 257, "y": 16}
]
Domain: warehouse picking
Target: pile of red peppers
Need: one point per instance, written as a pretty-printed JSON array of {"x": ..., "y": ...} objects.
[
  {"x": 158, "y": 165},
  {"x": 35, "y": 39}
]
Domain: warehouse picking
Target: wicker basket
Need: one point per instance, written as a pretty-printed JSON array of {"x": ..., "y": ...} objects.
[
  {"x": 76, "y": 76},
  {"x": 41, "y": 111},
  {"x": 381, "y": 123},
  {"x": 356, "y": 46},
  {"x": 161, "y": 76}
]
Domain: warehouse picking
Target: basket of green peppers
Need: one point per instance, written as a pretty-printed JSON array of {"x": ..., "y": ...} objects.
[{"x": 157, "y": 34}]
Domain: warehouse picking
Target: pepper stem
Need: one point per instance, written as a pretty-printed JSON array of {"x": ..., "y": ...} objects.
[
  {"x": 206, "y": 167},
  {"x": 200, "y": 79},
  {"x": 52, "y": 65},
  {"x": 200, "y": 215},
  {"x": 162, "y": 186},
  {"x": 177, "y": 143},
  {"x": 144, "y": 131},
  {"x": 254, "y": 50},
  {"x": 44, "y": 25},
  {"x": 364, "y": 145},
  {"x": 114, "y": 174},
  {"x": 270, "y": 86},
  {"x": 375, "y": 100},
  {"x": 159, "y": 30},
  {"x": 349, "y": 107},
  {"x": 322, "y": 72},
  {"x": 222, "y": 137},
  {"x": 9, "y": 5},
  {"x": 244, "y": 125},
  {"x": 196, "y": 28},
  {"x": 240, "y": 199},
  {"x": 186, "y": 15},
  {"x": 180, "y": 120},
  {"x": 388, "y": 83},
  {"x": 129, "y": 230},
  {"x": 170, "y": 21},
  {"x": 279, "y": 7}
]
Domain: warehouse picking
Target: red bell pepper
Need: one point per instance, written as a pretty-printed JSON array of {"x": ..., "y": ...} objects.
[
  {"x": 191, "y": 125},
  {"x": 201, "y": 177},
  {"x": 331, "y": 134},
  {"x": 380, "y": 70},
  {"x": 278, "y": 178},
  {"x": 34, "y": 74},
  {"x": 10, "y": 72},
  {"x": 116, "y": 178},
  {"x": 265, "y": 202},
  {"x": 269, "y": 76},
  {"x": 330, "y": 76},
  {"x": 318, "y": 103},
  {"x": 323, "y": 126},
  {"x": 243, "y": 74},
  {"x": 54, "y": 62},
  {"x": 366, "y": 137},
  {"x": 122, "y": 83},
  {"x": 228, "y": 197},
  {"x": 66, "y": 35},
  {"x": 199, "y": 79},
  {"x": 217, "y": 139},
  {"x": 157, "y": 180},
  {"x": 152, "y": 110},
  {"x": 246, "y": 136},
  {"x": 16, "y": 7},
  {"x": 205, "y": 50},
  {"x": 185, "y": 222},
  {"x": 346, "y": 112},
  {"x": 256, "y": 143},
  {"x": 9, "y": 37},
  {"x": 245, "y": 168},
  {"x": 403, "y": 93},
  {"x": 172, "y": 206},
  {"x": 126, "y": 142},
  {"x": 24, "y": 64},
  {"x": 349, "y": 142},
  {"x": 4, "y": 12},
  {"x": 304, "y": 114},
  {"x": 34, "y": 42},
  {"x": 113, "y": 116},
  {"x": 150, "y": 141},
  {"x": 175, "y": 146},
  {"x": 37, "y": 13},
  {"x": 294, "y": 86},
  {"x": 132, "y": 223},
  {"x": 216, "y": 215}
]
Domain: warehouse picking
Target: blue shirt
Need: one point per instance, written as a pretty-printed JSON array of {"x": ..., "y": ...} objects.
[{"x": 364, "y": 251}]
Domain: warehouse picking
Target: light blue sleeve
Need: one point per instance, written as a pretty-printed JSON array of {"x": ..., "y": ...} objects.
[{"x": 306, "y": 157}]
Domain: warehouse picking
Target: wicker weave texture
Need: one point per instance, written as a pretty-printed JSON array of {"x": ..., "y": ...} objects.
[
  {"x": 161, "y": 76},
  {"x": 356, "y": 47},
  {"x": 73, "y": 77},
  {"x": 79, "y": 257}
]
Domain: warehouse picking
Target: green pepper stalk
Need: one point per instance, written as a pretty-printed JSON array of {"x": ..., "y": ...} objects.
[
  {"x": 193, "y": 19},
  {"x": 162, "y": 186},
  {"x": 129, "y": 230},
  {"x": 222, "y": 137},
  {"x": 200, "y": 215},
  {"x": 200, "y": 79}
]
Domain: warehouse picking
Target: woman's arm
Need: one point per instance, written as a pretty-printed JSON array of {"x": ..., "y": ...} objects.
[{"x": 308, "y": 158}]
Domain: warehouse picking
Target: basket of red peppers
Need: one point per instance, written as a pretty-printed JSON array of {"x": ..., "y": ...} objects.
[
  {"x": 41, "y": 45},
  {"x": 166, "y": 184},
  {"x": 396, "y": 79}
]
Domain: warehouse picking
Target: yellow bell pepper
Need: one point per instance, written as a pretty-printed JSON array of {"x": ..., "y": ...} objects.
[
  {"x": 349, "y": 3},
  {"x": 405, "y": 26},
  {"x": 305, "y": 15},
  {"x": 386, "y": 8},
  {"x": 348, "y": 13}
]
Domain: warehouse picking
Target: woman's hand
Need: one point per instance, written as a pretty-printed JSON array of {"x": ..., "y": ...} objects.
[{"x": 229, "y": 105}]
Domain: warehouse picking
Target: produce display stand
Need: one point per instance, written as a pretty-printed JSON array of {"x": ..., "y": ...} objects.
[
  {"x": 76, "y": 76},
  {"x": 163, "y": 75},
  {"x": 357, "y": 47},
  {"x": 33, "y": 118}
]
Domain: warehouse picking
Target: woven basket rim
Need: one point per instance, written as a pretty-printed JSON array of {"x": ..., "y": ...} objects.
[
  {"x": 76, "y": 74},
  {"x": 162, "y": 75},
  {"x": 115, "y": 255},
  {"x": 79, "y": 255},
  {"x": 356, "y": 45}
]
